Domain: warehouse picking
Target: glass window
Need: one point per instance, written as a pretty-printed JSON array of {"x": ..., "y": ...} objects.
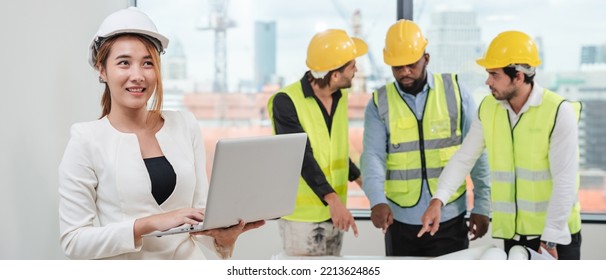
[{"x": 226, "y": 58}]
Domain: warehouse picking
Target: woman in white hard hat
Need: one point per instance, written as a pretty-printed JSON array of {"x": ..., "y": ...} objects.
[{"x": 135, "y": 170}]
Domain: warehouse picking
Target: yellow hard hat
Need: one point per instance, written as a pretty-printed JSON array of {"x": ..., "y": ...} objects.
[
  {"x": 333, "y": 48},
  {"x": 510, "y": 47},
  {"x": 404, "y": 43}
]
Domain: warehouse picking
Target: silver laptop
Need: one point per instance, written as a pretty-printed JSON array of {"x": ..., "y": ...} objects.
[{"x": 253, "y": 178}]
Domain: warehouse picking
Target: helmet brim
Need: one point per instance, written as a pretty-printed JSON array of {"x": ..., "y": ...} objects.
[
  {"x": 361, "y": 46},
  {"x": 163, "y": 40}
]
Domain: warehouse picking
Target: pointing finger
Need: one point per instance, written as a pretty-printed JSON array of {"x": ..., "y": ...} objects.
[
  {"x": 423, "y": 230},
  {"x": 434, "y": 229},
  {"x": 355, "y": 229}
]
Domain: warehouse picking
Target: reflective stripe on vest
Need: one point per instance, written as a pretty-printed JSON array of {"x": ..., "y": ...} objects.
[
  {"x": 330, "y": 150},
  {"x": 521, "y": 180},
  {"x": 435, "y": 142}
]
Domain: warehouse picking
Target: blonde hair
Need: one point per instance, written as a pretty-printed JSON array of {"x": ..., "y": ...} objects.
[{"x": 103, "y": 54}]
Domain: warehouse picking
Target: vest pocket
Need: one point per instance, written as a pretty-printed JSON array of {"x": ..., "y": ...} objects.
[
  {"x": 447, "y": 153},
  {"x": 406, "y": 123},
  {"x": 404, "y": 129},
  {"x": 440, "y": 128}
]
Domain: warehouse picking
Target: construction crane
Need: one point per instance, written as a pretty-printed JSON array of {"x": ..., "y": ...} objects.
[
  {"x": 219, "y": 22},
  {"x": 359, "y": 84},
  {"x": 376, "y": 72}
]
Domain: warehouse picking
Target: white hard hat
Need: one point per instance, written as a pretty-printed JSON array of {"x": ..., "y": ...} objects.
[{"x": 129, "y": 20}]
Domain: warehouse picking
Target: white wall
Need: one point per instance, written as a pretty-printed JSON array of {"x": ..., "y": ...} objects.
[{"x": 46, "y": 85}]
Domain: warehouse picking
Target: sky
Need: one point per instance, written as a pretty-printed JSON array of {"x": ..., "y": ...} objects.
[{"x": 564, "y": 27}]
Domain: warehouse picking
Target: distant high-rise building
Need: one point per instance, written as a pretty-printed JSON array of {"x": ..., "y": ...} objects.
[
  {"x": 594, "y": 128},
  {"x": 174, "y": 64},
  {"x": 593, "y": 54},
  {"x": 359, "y": 80},
  {"x": 454, "y": 41},
  {"x": 588, "y": 87},
  {"x": 174, "y": 74},
  {"x": 589, "y": 54},
  {"x": 265, "y": 53},
  {"x": 539, "y": 41}
]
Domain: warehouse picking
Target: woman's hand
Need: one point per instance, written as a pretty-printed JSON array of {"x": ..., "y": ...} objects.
[
  {"x": 167, "y": 220},
  {"x": 225, "y": 238}
]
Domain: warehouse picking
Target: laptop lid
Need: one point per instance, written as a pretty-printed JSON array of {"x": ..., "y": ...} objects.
[{"x": 253, "y": 178}]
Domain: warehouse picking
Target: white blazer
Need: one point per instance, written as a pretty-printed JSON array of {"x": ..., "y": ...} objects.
[{"x": 104, "y": 186}]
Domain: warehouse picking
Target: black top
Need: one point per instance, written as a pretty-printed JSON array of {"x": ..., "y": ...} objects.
[
  {"x": 286, "y": 121},
  {"x": 162, "y": 176}
]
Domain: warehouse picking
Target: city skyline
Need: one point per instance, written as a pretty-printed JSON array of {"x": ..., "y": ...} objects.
[
  {"x": 563, "y": 26},
  {"x": 247, "y": 112}
]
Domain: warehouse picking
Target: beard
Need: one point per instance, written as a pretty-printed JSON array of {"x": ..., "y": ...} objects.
[
  {"x": 346, "y": 83},
  {"x": 504, "y": 95},
  {"x": 417, "y": 85}
]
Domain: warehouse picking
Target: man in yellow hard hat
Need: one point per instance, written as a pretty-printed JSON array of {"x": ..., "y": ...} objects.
[
  {"x": 412, "y": 126},
  {"x": 317, "y": 105},
  {"x": 530, "y": 134}
]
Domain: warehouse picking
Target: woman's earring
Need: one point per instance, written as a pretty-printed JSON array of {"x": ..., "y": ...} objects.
[{"x": 101, "y": 80}]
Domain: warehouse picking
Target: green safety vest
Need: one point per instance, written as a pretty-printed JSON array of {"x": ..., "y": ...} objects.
[
  {"x": 420, "y": 149},
  {"x": 330, "y": 150},
  {"x": 519, "y": 164}
]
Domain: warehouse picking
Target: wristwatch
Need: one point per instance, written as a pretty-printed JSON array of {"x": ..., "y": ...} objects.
[{"x": 550, "y": 245}]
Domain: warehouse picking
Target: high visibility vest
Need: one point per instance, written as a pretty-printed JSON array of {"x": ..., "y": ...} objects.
[
  {"x": 330, "y": 150},
  {"x": 419, "y": 149},
  {"x": 521, "y": 183}
]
